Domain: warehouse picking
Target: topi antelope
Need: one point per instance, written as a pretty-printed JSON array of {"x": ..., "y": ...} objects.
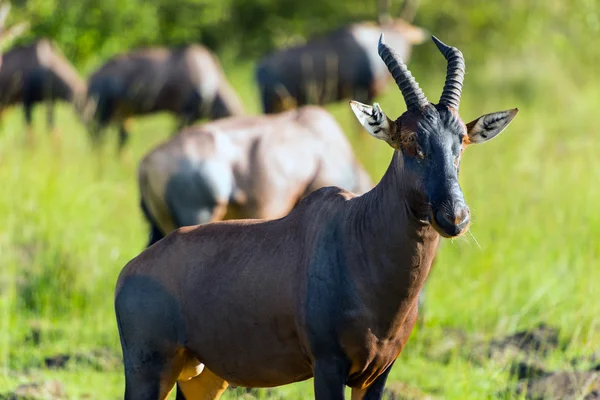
[
  {"x": 188, "y": 82},
  {"x": 39, "y": 72},
  {"x": 340, "y": 65},
  {"x": 245, "y": 167},
  {"x": 329, "y": 291}
]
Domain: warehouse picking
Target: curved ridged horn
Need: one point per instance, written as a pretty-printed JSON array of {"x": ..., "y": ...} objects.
[
  {"x": 413, "y": 95},
  {"x": 455, "y": 74}
]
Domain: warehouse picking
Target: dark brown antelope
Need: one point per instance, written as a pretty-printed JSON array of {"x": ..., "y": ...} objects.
[
  {"x": 245, "y": 167},
  {"x": 340, "y": 65},
  {"x": 38, "y": 72},
  {"x": 188, "y": 82},
  {"x": 329, "y": 291}
]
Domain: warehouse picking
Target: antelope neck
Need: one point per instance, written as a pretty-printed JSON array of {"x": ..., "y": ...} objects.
[{"x": 392, "y": 242}]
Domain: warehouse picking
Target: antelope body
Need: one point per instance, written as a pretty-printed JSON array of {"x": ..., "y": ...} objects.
[
  {"x": 340, "y": 65},
  {"x": 245, "y": 167},
  {"x": 328, "y": 291},
  {"x": 187, "y": 82},
  {"x": 38, "y": 72}
]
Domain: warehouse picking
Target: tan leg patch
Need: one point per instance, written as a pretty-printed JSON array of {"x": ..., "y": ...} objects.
[
  {"x": 170, "y": 374},
  {"x": 358, "y": 394},
  {"x": 191, "y": 368},
  {"x": 29, "y": 137},
  {"x": 206, "y": 386}
]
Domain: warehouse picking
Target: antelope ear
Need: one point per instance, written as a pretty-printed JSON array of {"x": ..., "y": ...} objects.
[
  {"x": 489, "y": 126},
  {"x": 416, "y": 35},
  {"x": 374, "y": 120},
  {"x": 10, "y": 34}
]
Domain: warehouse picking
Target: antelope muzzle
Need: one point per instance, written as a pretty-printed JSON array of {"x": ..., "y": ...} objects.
[{"x": 451, "y": 218}]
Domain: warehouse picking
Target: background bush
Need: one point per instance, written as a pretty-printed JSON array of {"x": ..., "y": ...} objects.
[{"x": 91, "y": 30}]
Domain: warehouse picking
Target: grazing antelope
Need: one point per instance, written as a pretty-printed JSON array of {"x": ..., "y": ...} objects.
[
  {"x": 188, "y": 82},
  {"x": 328, "y": 291},
  {"x": 245, "y": 167},
  {"x": 340, "y": 65},
  {"x": 38, "y": 72}
]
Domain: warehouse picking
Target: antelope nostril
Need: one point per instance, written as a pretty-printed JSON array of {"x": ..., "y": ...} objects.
[
  {"x": 462, "y": 218},
  {"x": 453, "y": 223}
]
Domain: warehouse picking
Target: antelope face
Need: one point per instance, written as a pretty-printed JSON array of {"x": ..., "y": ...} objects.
[
  {"x": 414, "y": 34},
  {"x": 432, "y": 137}
]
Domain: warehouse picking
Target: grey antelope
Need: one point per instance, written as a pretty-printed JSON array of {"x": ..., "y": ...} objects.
[
  {"x": 245, "y": 167},
  {"x": 187, "y": 82},
  {"x": 39, "y": 72},
  {"x": 328, "y": 291},
  {"x": 342, "y": 64}
]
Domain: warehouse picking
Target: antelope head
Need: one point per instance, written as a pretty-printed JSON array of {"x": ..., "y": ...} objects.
[
  {"x": 432, "y": 137},
  {"x": 403, "y": 24},
  {"x": 10, "y": 34}
]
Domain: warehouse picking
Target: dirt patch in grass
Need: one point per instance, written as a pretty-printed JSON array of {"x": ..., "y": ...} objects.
[
  {"x": 533, "y": 343},
  {"x": 98, "y": 359},
  {"x": 537, "y": 341},
  {"x": 562, "y": 385},
  {"x": 525, "y": 353},
  {"x": 49, "y": 390},
  {"x": 404, "y": 391}
]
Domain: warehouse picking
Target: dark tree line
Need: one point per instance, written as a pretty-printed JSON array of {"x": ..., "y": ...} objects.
[{"x": 88, "y": 31}]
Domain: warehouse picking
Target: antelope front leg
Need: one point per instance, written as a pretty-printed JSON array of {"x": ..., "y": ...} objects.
[
  {"x": 28, "y": 109},
  {"x": 375, "y": 391},
  {"x": 330, "y": 378}
]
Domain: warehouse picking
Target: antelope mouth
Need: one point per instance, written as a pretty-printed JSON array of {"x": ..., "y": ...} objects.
[{"x": 446, "y": 228}]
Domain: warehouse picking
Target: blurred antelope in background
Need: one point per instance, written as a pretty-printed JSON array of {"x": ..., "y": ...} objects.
[
  {"x": 7, "y": 35},
  {"x": 340, "y": 65},
  {"x": 39, "y": 72},
  {"x": 187, "y": 82},
  {"x": 328, "y": 291},
  {"x": 245, "y": 167}
]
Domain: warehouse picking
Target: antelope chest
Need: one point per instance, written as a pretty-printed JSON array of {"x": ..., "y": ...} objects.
[{"x": 368, "y": 355}]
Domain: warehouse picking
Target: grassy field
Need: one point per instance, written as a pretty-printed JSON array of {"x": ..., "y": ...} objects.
[{"x": 67, "y": 228}]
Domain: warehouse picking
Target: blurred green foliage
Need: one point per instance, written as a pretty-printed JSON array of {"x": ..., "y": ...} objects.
[{"x": 91, "y": 30}]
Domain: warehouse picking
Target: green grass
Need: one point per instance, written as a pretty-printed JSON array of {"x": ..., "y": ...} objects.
[{"x": 67, "y": 228}]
